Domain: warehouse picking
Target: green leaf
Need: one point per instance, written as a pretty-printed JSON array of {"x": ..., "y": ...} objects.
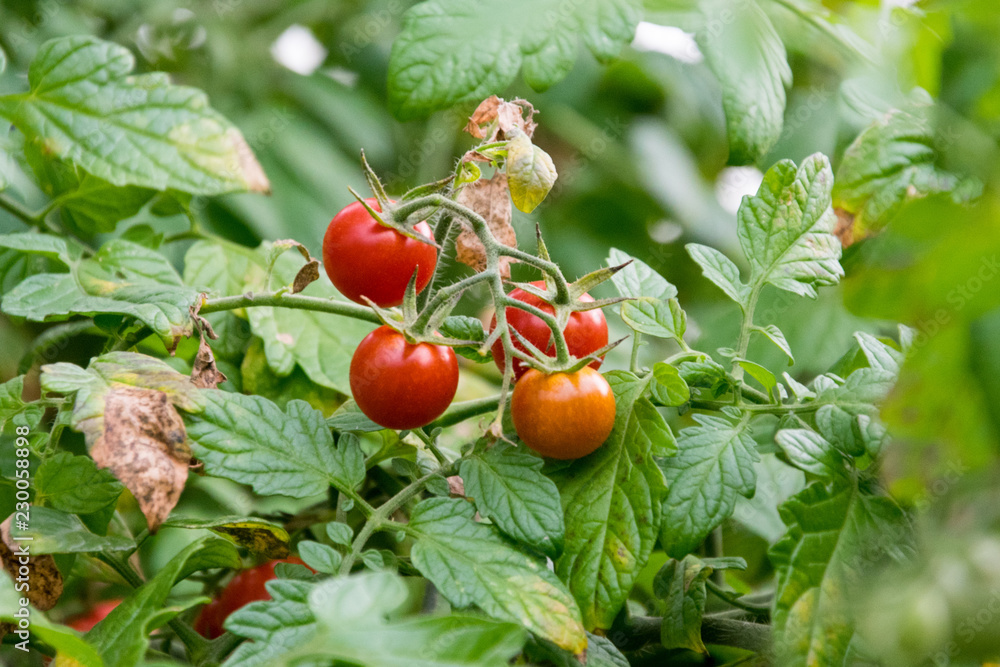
[
  {"x": 349, "y": 417},
  {"x": 832, "y": 535},
  {"x": 638, "y": 279},
  {"x": 122, "y": 638},
  {"x": 259, "y": 536},
  {"x": 530, "y": 172},
  {"x": 122, "y": 278},
  {"x": 275, "y": 626},
  {"x": 64, "y": 250},
  {"x": 55, "y": 532},
  {"x": 321, "y": 343},
  {"x": 349, "y": 461},
  {"x": 89, "y": 204},
  {"x": 340, "y": 533},
  {"x": 773, "y": 334},
  {"x": 66, "y": 642},
  {"x": 249, "y": 440},
  {"x": 472, "y": 565},
  {"x": 85, "y": 108},
  {"x": 654, "y": 311},
  {"x": 463, "y": 327},
  {"x": 786, "y": 229},
  {"x": 509, "y": 489},
  {"x": 760, "y": 374},
  {"x": 714, "y": 463},
  {"x": 668, "y": 387},
  {"x": 600, "y": 653},
  {"x": 891, "y": 162},
  {"x": 720, "y": 270},
  {"x": 810, "y": 452},
  {"x": 746, "y": 54},
  {"x": 74, "y": 484},
  {"x": 488, "y": 45},
  {"x": 652, "y": 428},
  {"x": 681, "y": 584},
  {"x": 11, "y": 405},
  {"x": 344, "y": 620},
  {"x": 320, "y": 557},
  {"x": 612, "y": 505}
]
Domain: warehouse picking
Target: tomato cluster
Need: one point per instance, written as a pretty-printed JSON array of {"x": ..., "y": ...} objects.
[{"x": 402, "y": 384}]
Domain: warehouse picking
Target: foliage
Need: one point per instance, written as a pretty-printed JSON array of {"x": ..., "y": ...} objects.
[{"x": 792, "y": 478}]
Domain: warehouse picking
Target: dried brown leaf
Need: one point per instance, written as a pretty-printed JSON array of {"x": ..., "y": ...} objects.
[
  {"x": 507, "y": 115},
  {"x": 488, "y": 198},
  {"x": 844, "y": 229},
  {"x": 45, "y": 583},
  {"x": 144, "y": 443},
  {"x": 307, "y": 275},
  {"x": 205, "y": 374},
  {"x": 457, "y": 486}
]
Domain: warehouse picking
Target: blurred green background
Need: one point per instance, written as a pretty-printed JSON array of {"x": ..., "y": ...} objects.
[{"x": 642, "y": 152}]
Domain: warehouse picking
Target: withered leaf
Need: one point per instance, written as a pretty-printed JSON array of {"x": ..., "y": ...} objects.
[
  {"x": 43, "y": 577},
  {"x": 844, "y": 229},
  {"x": 490, "y": 200},
  {"x": 507, "y": 115},
  {"x": 307, "y": 275},
  {"x": 205, "y": 374},
  {"x": 144, "y": 443},
  {"x": 456, "y": 485},
  {"x": 247, "y": 165}
]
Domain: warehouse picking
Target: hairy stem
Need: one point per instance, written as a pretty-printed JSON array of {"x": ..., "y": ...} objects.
[{"x": 299, "y": 301}]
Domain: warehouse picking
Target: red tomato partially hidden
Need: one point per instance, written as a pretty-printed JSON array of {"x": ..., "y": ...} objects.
[
  {"x": 245, "y": 587},
  {"x": 400, "y": 385},
  {"x": 563, "y": 415},
  {"x": 88, "y": 619},
  {"x": 364, "y": 258},
  {"x": 585, "y": 332}
]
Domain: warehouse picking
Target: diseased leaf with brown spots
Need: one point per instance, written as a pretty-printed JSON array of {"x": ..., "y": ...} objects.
[
  {"x": 257, "y": 535},
  {"x": 45, "y": 583},
  {"x": 490, "y": 200},
  {"x": 145, "y": 445},
  {"x": 205, "y": 374}
]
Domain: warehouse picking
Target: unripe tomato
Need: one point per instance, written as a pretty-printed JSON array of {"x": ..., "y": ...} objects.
[
  {"x": 585, "y": 332},
  {"x": 563, "y": 415},
  {"x": 88, "y": 619},
  {"x": 246, "y": 587},
  {"x": 364, "y": 258},
  {"x": 400, "y": 385}
]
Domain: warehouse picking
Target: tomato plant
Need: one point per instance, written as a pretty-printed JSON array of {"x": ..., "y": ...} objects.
[
  {"x": 689, "y": 360},
  {"x": 585, "y": 332}
]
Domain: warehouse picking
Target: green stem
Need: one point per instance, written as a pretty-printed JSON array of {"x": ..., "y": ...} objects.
[
  {"x": 735, "y": 601},
  {"x": 746, "y": 326},
  {"x": 442, "y": 296},
  {"x": 636, "y": 344},
  {"x": 380, "y": 519},
  {"x": 19, "y": 210},
  {"x": 428, "y": 440},
  {"x": 442, "y": 233},
  {"x": 459, "y": 412},
  {"x": 299, "y": 301}
]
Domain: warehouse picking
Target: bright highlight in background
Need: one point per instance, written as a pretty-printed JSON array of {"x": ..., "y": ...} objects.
[
  {"x": 298, "y": 50},
  {"x": 672, "y": 41}
]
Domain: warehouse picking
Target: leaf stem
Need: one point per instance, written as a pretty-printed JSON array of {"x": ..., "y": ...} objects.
[
  {"x": 298, "y": 301},
  {"x": 746, "y": 326},
  {"x": 19, "y": 210},
  {"x": 459, "y": 412},
  {"x": 735, "y": 600},
  {"x": 636, "y": 344}
]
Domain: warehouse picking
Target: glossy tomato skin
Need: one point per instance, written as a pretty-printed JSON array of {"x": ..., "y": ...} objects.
[
  {"x": 585, "y": 332},
  {"x": 246, "y": 587},
  {"x": 87, "y": 620},
  {"x": 563, "y": 415},
  {"x": 400, "y": 385},
  {"x": 364, "y": 258}
]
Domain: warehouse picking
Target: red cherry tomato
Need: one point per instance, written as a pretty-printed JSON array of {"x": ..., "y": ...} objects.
[
  {"x": 563, "y": 415},
  {"x": 400, "y": 385},
  {"x": 585, "y": 332},
  {"x": 364, "y": 258},
  {"x": 246, "y": 587},
  {"x": 88, "y": 619}
]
